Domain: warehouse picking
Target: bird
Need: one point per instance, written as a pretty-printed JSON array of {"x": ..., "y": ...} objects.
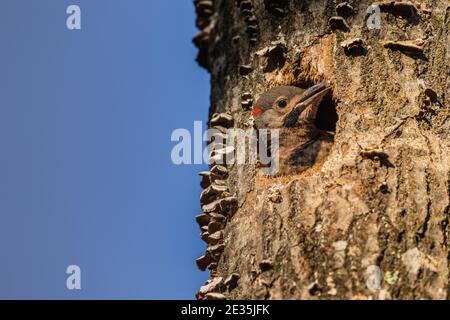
[{"x": 293, "y": 111}]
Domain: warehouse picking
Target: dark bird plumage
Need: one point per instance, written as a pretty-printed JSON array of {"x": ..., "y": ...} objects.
[{"x": 293, "y": 111}]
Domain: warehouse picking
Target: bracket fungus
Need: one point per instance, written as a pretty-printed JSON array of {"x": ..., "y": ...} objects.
[
  {"x": 344, "y": 9},
  {"x": 338, "y": 23},
  {"x": 353, "y": 47},
  {"x": 203, "y": 262},
  {"x": 402, "y": 9},
  {"x": 246, "y": 101},
  {"x": 274, "y": 56},
  {"x": 232, "y": 281},
  {"x": 221, "y": 119},
  {"x": 411, "y": 47},
  {"x": 202, "y": 219}
]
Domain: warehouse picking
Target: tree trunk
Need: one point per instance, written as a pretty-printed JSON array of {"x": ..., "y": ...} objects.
[{"x": 371, "y": 221}]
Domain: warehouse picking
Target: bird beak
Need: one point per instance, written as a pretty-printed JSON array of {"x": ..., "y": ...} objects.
[
  {"x": 256, "y": 111},
  {"x": 314, "y": 95},
  {"x": 306, "y": 108}
]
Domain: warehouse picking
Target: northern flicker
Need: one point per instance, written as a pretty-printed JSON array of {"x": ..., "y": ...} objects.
[{"x": 293, "y": 112}]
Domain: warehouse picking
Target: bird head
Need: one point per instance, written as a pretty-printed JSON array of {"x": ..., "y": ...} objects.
[{"x": 288, "y": 106}]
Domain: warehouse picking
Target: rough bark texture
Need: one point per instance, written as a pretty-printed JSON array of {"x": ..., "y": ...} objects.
[{"x": 381, "y": 198}]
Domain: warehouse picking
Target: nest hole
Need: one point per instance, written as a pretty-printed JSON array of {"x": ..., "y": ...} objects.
[{"x": 326, "y": 114}]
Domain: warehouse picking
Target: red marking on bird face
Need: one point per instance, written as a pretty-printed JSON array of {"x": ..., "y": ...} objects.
[{"x": 256, "y": 111}]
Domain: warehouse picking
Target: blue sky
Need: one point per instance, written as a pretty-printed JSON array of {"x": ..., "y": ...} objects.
[{"x": 85, "y": 169}]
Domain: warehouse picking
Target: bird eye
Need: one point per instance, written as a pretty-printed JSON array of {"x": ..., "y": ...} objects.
[{"x": 282, "y": 103}]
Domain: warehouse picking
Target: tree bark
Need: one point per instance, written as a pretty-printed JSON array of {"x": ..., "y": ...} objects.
[{"x": 380, "y": 201}]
